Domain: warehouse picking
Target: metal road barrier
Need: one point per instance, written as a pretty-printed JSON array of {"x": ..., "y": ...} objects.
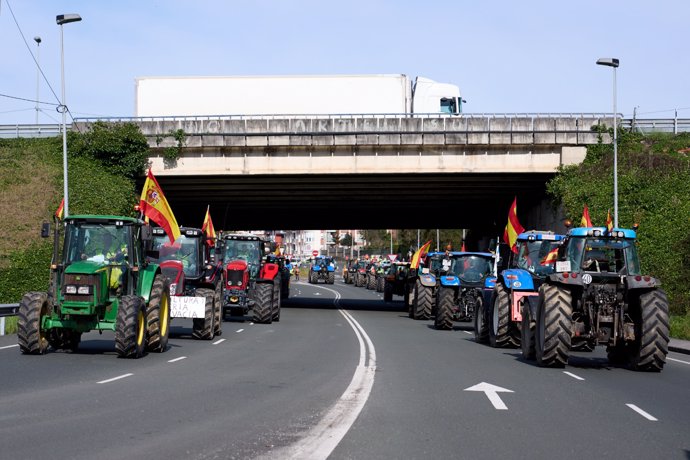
[
  {"x": 14, "y": 131},
  {"x": 7, "y": 309}
]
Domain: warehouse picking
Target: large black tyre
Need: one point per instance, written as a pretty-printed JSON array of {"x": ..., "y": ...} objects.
[
  {"x": 481, "y": 328},
  {"x": 421, "y": 307},
  {"x": 387, "y": 292},
  {"x": 158, "y": 315},
  {"x": 371, "y": 281},
  {"x": 553, "y": 326},
  {"x": 202, "y": 328},
  {"x": 527, "y": 332},
  {"x": 130, "y": 327},
  {"x": 380, "y": 284},
  {"x": 331, "y": 278},
  {"x": 501, "y": 331},
  {"x": 277, "y": 299},
  {"x": 217, "y": 311},
  {"x": 262, "y": 312},
  {"x": 31, "y": 338},
  {"x": 444, "y": 309},
  {"x": 312, "y": 278},
  {"x": 360, "y": 280},
  {"x": 649, "y": 351}
]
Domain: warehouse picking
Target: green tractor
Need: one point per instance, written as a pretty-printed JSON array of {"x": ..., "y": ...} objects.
[{"x": 101, "y": 280}]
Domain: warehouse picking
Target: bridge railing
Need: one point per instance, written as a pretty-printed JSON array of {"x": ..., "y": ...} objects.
[{"x": 41, "y": 130}]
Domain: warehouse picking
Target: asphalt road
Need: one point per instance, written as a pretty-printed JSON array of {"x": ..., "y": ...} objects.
[{"x": 296, "y": 387}]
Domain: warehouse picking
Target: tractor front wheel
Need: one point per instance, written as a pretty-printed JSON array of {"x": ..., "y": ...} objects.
[
  {"x": 263, "y": 303},
  {"x": 31, "y": 337},
  {"x": 158, "y": 315},
  {"x": 527, "y": 333},
  {"x": 553, "y": 328},
  {"x": 501, "y": 333},
  {"x": 444, "y": 313},
  {"x": 130, "y": 327},
  {"x": 202, "y": 328}
]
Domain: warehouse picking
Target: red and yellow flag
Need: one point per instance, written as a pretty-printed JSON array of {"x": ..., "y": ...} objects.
[
  {"x": 551, "y": 257},
  {"x": 60, "y": 212},
  {"x": 421, "y": 253},
  {"x": 208, "y": 228},
  {"x": 586, "y": 221},
  {"x": 609, "y": 221},
  {"x": 513, "y": 228},
  {"x": 154, "y": 206}
]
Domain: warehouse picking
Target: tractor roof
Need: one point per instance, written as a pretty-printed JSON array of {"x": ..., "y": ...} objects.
[
  {"x": 539, "y": 235},
  {"x": 103, "y": 219},
  {"x": 603, "y": 232},
  {"x": 189, "y": 232},
  {"x": 242, "y": 237}
]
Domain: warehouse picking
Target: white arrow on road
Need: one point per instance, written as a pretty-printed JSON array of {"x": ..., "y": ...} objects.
[{"x": 491, "y": 393}]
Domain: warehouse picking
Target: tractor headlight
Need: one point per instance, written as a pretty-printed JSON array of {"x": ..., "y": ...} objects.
[
  {"x": 71, "y": 289},
  {"x": 173, "y": 288},
  {"x": 597, "y": 233},
  {"x": 234, "y": 299},
  {"x": 84, "y": 290}
]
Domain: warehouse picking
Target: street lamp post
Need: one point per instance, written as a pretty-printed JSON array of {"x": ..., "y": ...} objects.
[
  {"x": 37, "y": 39},
  {"x": 62, "y": 19},
  {"x": 613, "y": 62}
]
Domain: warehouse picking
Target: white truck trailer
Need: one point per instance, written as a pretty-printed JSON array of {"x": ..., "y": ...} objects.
[{"x": 293, "y": 95}]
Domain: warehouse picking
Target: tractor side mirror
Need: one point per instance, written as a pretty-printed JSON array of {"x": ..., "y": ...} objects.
[{"x": 45, "y": 230}]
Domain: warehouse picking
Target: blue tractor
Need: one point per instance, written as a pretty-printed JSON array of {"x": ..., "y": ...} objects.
[
  {"x": 322, "y": 268},
  {"x": 498, "y": 321},
  {"x": 466, "y": 280},
  {"x": 599, "y": 296}
]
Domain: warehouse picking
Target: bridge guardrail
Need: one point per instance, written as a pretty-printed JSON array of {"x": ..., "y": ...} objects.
[
  {"x": 7, "y": 309},
  {"x": 41, "y": 130}
]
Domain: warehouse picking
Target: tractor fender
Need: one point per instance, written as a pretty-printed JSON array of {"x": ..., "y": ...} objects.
[
  {"x": 174, "y": 271},
  {"x": 269, "y": 271},
  {"x": 490, "y": 282},
  {"x": 330, "y": 269},
  {"x": 517, "y": 279},
  {"x": 449, "y": 281},
  {"x": 146, "y": 277},
  {"x": 641, "y": 282},
  {"x": 427, "y": 280}
]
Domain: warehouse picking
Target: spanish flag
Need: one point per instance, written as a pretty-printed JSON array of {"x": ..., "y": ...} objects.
[
  {"x": 609, "y": 221},
  {"x": 154, "y": 206},
  {"x": 421, "y": 253},
  {"x": 513, "y": 228},
  {"x": 208, "y": 228},
  {"x": 551, "y": 257},
  {"x": 586, "y": 221},
  {"x": 60, "y": 212}
]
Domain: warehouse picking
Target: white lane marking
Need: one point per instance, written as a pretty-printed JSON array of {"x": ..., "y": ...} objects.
[
  {"x": 239, "y": 330},
  {"x": 468, "y": 332},
  {"x": 322, "y": 439},
  {"x": 9, "y": 346},
  {"x": 576, "y": 377},
  {"x": 670, "y": 359},
  {"x": 177, "y": 359},
  {"x": 642, "y": 413},
  {"x": 218, "y": 341},
  {"x": 491, "y": 392},
  {"x": 116, "y": 378}
]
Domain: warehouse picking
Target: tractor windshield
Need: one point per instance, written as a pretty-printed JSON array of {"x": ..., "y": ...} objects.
[
  {"x": 103, "y": 243},
  {"x": 247, "y": 250},
  {"x": 184, "y": 249},
  {"x": 603, "y": 255},
  {"x": 537, "y": 257},
  {"x": 471, "y": 268}
]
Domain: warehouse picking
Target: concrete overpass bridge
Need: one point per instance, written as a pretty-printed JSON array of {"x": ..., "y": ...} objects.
[{"x": 365, "y": 171}]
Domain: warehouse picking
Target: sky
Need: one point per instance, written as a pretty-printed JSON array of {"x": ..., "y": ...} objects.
[{"x": 506, "y": 56}]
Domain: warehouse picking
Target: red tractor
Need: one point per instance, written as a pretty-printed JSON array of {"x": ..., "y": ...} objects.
[{"x": 252, "y": 278}]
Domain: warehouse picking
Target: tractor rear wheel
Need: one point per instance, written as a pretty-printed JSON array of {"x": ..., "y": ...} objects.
[
  {"x": 31, "y": 338},
  {"x": 313, "y": 278},
  {"x": 202, "y": 328},
  {"x": 501, "y": 333},
  {"x": 158, "y": 315},
  {"x": 331, "y": 278},
  {"x": 527, "y": 333},
  {"x": 649, "y": 351},
  {"x": 263, "y": 303},
  {"x": 277, "y": 297},
  {"x": 130, "y": 327},
  {"x": 421, "y": 309},
  {"x": 553, "y": 328},
  {"x": 444, "y": 311},
  {"x": 481, "y": 328}
]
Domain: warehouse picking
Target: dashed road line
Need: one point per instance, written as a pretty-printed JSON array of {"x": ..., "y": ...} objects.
[
  {"x": 670, "y": 359},
  {"x": 468, "y": 332},
  {"x": 9, "y": 346},
  {"x": 123, "y": 376},
  {"x": 177, "y": 359},
  {"x": 642, "y": 413},
  {"x": 239, "y": 330},
  {"x": 576, "y": 377},
  {"x": 218, "y": 341}
]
